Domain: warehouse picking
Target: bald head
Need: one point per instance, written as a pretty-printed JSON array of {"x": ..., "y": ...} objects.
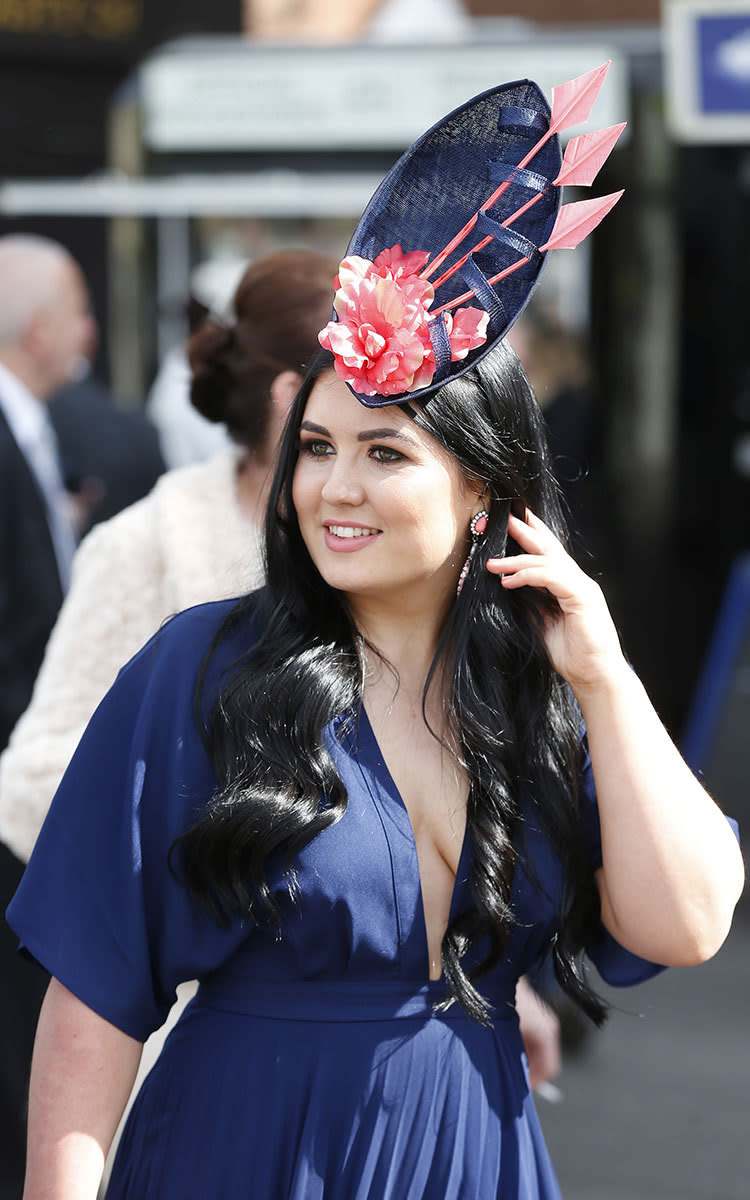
[
  {"x": 30, "y": 271},
  {"x": 45, "y": 323}
]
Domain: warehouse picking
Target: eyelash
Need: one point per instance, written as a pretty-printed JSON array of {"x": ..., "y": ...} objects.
[{"x": 310, "y": 448}]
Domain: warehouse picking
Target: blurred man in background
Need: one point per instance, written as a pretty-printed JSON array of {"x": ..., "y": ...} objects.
[
  {"x": 45, "y": 326},
  {"x": 109, "y": 456}
]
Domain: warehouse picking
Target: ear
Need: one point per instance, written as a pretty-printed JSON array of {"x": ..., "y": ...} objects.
[
  {"x": 34, "y": 335},
  {"x": 481, "y": 493},
  {"x": 283, "y": 390}
]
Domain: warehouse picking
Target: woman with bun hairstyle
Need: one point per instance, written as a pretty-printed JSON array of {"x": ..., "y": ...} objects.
[
  {"x": 195, "y": 537},
  {"x": 358, "y": 803}
]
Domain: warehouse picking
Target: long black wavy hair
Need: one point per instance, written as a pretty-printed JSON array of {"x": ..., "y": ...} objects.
[{"x": 515, "y": 718}]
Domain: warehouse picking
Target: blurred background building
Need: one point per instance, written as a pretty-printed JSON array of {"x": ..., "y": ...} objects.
[{"x": 154, "y": 137}]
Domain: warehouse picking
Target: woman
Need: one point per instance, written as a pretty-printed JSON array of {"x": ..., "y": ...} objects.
[
  {"x": 163, "y": 554},
  {"x": 384, "y": 814},
  {"x": 355, "y": 624}
]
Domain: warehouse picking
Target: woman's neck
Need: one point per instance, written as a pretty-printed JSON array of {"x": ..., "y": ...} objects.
[
  {"x": 405, "y": 640},
  {"x": 253, "y": 481}
]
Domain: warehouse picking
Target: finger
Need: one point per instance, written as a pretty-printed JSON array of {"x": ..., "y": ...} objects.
[
  {"x": 527, "y": 538},
  {"x": 535, "y": 521},
  {"x": 562, "y": 588},
  {"x": 525, "y": 578},
  {"x": 540, "y": 526},
  {"x": 499, "y": 566},
  {"x": 542, "y": 535}
]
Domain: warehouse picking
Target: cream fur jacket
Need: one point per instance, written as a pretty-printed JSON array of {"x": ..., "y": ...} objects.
[{"x": 185, "y": 543}]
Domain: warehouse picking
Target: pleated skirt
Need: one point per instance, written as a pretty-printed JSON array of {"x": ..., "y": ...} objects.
[{"x": 420, "y": 1107}]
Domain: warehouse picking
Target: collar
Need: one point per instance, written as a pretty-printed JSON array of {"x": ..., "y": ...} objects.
[{"x": 26, "y": 415}]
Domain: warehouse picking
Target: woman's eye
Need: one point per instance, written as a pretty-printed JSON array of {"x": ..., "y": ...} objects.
[
  {"x": 316, "y": 448},
  {"x": 384, "y": 454}
]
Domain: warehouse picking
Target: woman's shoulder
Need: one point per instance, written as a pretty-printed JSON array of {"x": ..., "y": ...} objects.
[
  {"x": 132, "y": 527},
  {"x": 222, "y": 465},
  {"x": 201, "y": 482},
  {"x": 171, "y": 488},
  {"x": 207, "y": 639}
]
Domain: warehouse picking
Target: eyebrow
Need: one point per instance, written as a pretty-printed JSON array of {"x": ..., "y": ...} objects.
[{"x": 367, "y": 435}]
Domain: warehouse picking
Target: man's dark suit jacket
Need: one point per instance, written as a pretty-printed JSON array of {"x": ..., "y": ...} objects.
[
  {"x": 30, "y": 592},
  {"x": 30, "y": 596},
  {"x": 99, "y": 441}
]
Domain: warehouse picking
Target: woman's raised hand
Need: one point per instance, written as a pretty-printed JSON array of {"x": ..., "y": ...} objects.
[
  {"x": 672, "y": 870},
  {"x": 581, "y": 638}
]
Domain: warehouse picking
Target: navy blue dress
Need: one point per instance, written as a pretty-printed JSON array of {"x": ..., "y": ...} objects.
[{"x": 308, "y": 1067}]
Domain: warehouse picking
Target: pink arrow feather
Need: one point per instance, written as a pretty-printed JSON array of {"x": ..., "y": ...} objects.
[
  {"x": 586, "y": 155},
  {"x": 572, "y": 102},
  {"x": 575, "y": 221},
  {"x": 571, "y": 105},
  {"x": 584, "y": 158}
]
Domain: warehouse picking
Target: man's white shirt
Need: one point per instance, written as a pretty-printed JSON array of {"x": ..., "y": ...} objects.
[{"x": 32, "y": 430}]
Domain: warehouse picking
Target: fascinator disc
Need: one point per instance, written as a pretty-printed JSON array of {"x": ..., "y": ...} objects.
[{"x": 450, "y": 246}]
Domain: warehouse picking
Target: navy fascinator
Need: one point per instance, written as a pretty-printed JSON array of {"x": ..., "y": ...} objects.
[{"x": 450, "y": 246}]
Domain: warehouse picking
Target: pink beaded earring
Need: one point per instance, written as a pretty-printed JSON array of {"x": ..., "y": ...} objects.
[{"x": 477, "y": 527}]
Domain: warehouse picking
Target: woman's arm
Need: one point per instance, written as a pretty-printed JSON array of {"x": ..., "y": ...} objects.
[
  {"x": 113, "y": 606},
  {"x": 672, "y": 871},
  {"x": 81, "y": 1076},
  {"x": 540, "y": 1030}
]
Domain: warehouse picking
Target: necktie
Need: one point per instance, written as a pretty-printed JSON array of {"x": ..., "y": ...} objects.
[{"x": 46, "y": 467}]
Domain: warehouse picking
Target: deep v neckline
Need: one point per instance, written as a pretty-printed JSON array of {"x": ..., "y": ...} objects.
[{"x": 376, "y": 762}]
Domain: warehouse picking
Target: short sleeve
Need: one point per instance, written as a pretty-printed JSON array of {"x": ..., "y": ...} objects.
[
  {"x": 98, "y": 905},
  {"x": 616, "y": 965},
  {"x": 100, "y": 625}
]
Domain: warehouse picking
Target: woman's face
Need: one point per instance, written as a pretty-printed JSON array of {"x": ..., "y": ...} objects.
[{"x": 383, "y": 509}]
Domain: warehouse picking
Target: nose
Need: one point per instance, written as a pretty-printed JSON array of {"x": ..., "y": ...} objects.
[{"x": 342, "y": 485}]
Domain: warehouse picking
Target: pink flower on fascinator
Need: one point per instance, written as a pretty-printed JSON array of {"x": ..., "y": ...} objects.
[
  {"x": 381, "y": 341},
  {"x": 394, "y": 260},
  {"x": 466, "y": 330}
]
